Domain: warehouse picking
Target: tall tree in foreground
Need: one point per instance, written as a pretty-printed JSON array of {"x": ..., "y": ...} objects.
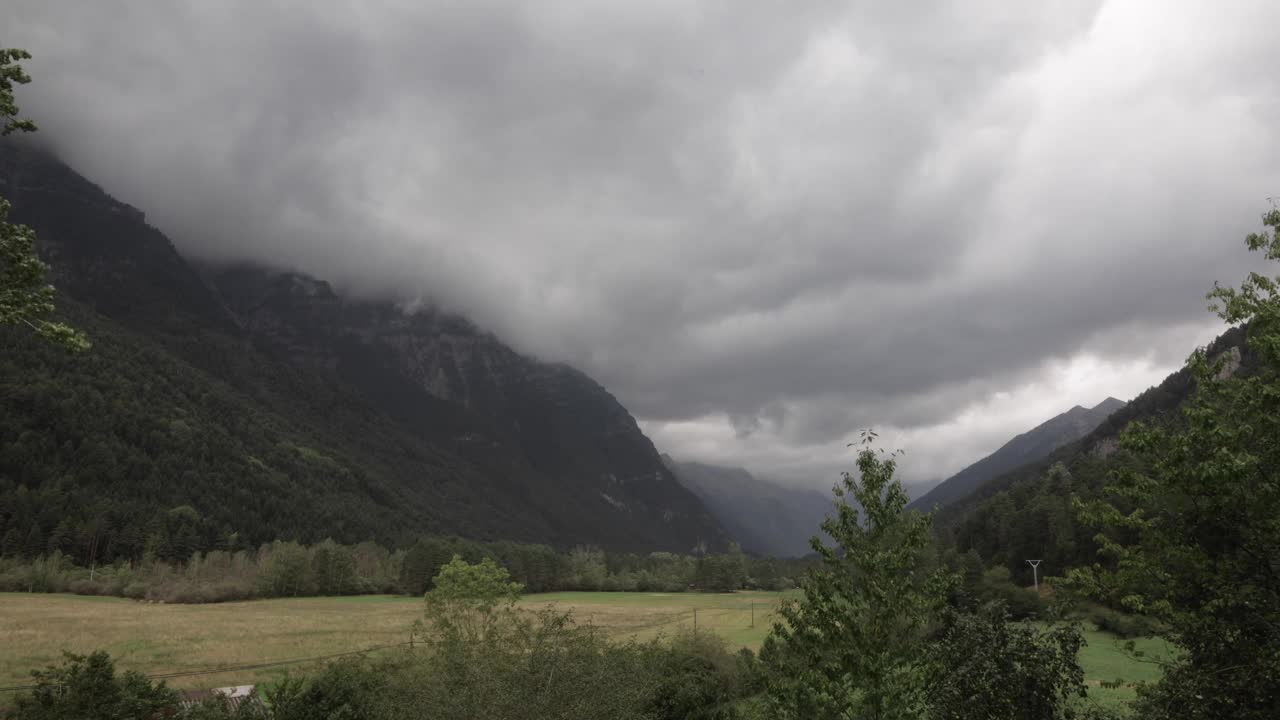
[
  {"x": 25, "y": 297},
  {"x": 469, "y": 603},
  {"x": 854, "y": 646},
  {"x": 1200, "y": 522},
  {"x": 486, "y": 659}
]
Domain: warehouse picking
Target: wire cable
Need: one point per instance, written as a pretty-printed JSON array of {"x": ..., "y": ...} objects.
[{"x": 236, "y": 668}]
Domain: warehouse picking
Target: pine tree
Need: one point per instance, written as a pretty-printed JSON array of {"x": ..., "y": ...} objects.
[
  {"x": 11, "y": 546},
  {"x": 60, "y": 538},
  {"x": 35, "y": 546}
]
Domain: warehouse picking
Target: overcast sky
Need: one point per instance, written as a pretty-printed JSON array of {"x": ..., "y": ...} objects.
[{"x": 762, "y": 225}]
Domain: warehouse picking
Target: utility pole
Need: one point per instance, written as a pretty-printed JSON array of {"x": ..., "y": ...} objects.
[{"x": 1035, "y": 574}]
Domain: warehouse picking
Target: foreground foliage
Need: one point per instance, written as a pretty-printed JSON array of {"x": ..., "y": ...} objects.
[
  {"x": 481, "y": 659},
  {"x": 988, "y": 667},
  {"x": 290, "y": 569},
  {"x": 885, "y": 631},
  {"x": 1194, "y": 527},
  {"x": 88, "y": 687},
  {"x": 26, "y": 298},
  {"x": 854, "y": 646}
]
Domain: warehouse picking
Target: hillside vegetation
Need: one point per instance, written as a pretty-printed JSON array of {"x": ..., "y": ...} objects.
[{"x": 228, "y": 407}]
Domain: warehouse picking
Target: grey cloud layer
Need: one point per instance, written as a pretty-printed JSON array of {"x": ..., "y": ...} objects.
[{"x": 806, "y": 217}]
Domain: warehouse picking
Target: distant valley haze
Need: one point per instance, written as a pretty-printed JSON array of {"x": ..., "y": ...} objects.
[{"x": 760, "y": 226}]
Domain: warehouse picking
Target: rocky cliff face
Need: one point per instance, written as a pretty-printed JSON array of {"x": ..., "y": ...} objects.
[
  {"x": 101, "y": 251},
  {"x": 439, "y": 413},
  {"x": 427, "y": 367}
]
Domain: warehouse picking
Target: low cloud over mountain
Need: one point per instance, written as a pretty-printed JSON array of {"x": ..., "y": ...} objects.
[{"x": 762, "y": 227}]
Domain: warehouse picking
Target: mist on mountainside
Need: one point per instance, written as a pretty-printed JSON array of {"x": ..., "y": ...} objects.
[
  {"x": 499, "y": 359},
  {"x": 781, "y": 226}
]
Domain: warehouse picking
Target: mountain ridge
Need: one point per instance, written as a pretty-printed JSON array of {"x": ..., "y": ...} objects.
[
  {"x": 1022, "y": 449},
  {"x": 765, "y": 517},
  {"x": 1029, "y": 511},
  {"x": 436, "y": 425}
]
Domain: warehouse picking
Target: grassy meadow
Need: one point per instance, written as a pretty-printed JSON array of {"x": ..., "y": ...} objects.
[
  {"x": 1104, "y": 659},
  {"x": 159, "y": 638}
]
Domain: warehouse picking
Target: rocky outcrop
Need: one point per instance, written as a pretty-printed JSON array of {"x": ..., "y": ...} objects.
[
  {"x": 439, "y": 370},
  {"x": 1231, "y": 360},
  {"x": 1106, "y": 447}
]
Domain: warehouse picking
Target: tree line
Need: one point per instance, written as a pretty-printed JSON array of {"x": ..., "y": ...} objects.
[
  {"x": 290, "y": 569},
  {"x": 883, "y": 630},
  {"x": 1181, "y": 526}
]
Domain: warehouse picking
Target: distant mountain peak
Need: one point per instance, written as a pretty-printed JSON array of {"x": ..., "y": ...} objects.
[
  {"x": 763, "y": 516},
  {"x": 1027, "y": 447},
  {"x": 359, "y": 417},
  {"x": 1109, "y": 405}
]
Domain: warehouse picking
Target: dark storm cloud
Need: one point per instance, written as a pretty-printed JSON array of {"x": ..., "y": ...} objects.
[{"x": 762, "y": 224}]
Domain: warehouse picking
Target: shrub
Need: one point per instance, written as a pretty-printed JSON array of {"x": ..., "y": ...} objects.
[
  {"x": 135, "y": 590},
  {"x": 85, "y": 586},
  {"x": 349, "y": 689},
  {"x": 88, "y": 687},
  {"x": 1123, "y": 624},
  {"x": 987, "y": 667},
  {"x": 698, "y": 679}
]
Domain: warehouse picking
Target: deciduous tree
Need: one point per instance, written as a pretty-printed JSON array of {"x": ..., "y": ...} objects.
[
  {"x": 854, "y": 646},
  {"x": 25, "y": 296},
  {"x": 468, "y": 601},
  {"x": 1192, "y": 531}
]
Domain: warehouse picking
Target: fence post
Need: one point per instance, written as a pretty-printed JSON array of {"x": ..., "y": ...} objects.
[
  {"x": 695, "y": 622},
  {"x": 753, "y": 613}
]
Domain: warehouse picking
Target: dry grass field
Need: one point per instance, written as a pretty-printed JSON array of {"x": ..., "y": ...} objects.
[
  {"x": 151, "y": 638},
  {"x": 155, "y": 638}
]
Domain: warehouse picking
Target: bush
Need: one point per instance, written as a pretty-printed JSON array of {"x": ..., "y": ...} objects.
[
  {"x": 11, "y": 581},
  {"x": 987, "y": 667},
  {"x": 751, "y": 673},
  {"x": 350, "y": 689},
  {"x": 47, "y": 574},
  {"x": 542, "y": 667},
  {"x": 621, "y": 582},
  {"x": 1123, "y": 624},
  {"x": 996, "y": 586},
  {"x": 88, "y": 687},
  {"x": 699, "y": 679},
  {"x": 135, "y": 590},
  {"x": 85, "y": 586}
]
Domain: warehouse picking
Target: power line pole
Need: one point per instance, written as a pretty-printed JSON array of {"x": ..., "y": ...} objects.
[{"x": 1035, "y": 574}]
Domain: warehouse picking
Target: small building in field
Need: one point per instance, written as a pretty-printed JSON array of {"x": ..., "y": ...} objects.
[{"x": 234, "y": 697}]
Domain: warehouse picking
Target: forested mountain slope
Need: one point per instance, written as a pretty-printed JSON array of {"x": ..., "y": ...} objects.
[
  {"x": 238, "y": 405},
  {"x": 1028, "y": 447},
  {"x": 1026, "y": 513},
  {"x": 765, "y": 517}
]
